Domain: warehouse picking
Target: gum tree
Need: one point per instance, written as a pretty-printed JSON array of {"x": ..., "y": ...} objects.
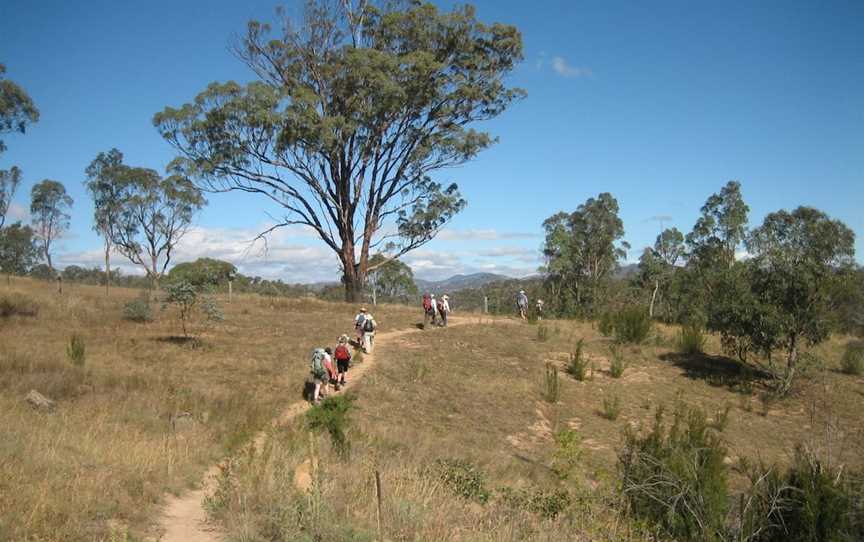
[
  {"x": 105, "y": 184},
  {"x": 17, "y": 111},
  {"x": 49, "y": 210},
  {"x": 351, "y": 114}
]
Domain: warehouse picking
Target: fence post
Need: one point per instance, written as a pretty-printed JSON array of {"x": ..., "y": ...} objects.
[{"x": 378, "y": 497}]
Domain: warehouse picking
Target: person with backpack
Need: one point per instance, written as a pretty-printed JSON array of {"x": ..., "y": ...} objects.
[
  {"x": 343, "y": 359},
  {"x": 319, "y": 375},
  {"x": 330, "y": 367},
  {"x": 428, "y": 311},
  {"x": 539, "y": 307},
  {"x": 522, "y": 304},
  {"x": 359, "y": 320},
  {"x": 444, "y": 309},
  {"x": 369, "y": 327},
  {"x": 434, "y": 314}
]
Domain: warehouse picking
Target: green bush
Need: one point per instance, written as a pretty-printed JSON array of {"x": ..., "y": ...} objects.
[
  {"x": 463, "y": 478},
  {"x": 138, "y": 310},
  {"x": 631, "y": 325},
  {"x": 577, "y": 367},
  {"x": 16, "y": 304},
  {"x": 691, "y": 340},
  {"x": 675, "y": 478},
  {"x": 616, "y": 362},
  {"x": 567, "y": 453},
  {"x": 810, "y": 501},
  {"x": 611, "y": 407},
  {"x": 853, "y": 358},
  {"x": 550, "y": 386},
  {"x": 606, "y": 324},
  {"x": 332, "y": 416},
  {"x": 548, "y": 503},
  {"x": 75, "y": 350}
]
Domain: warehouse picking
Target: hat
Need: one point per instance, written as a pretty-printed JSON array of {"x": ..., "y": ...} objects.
[
  {"x": 343, "y": 339},
  {"x": 521, "y": 291},
  {"x": 445, "y": 296},
  {"x": 362, "y": 309}
]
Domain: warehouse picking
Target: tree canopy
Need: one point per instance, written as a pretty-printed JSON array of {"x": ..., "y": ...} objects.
[
  {"x": 353, "y": 111},
  {"x": 18, "y": 250},
  {"x": 49, "y": 210},
  {"x": 390, "y": 278},
  {"x": 203, "y": 272},
  {"x": 17, "y": 110}
]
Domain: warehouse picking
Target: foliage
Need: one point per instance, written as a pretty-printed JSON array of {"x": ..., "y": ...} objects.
[
  {"x": 192, "y": 306},
  {"x": 390, "y": 279},
  {"x": 463, "y": 478},
  {"x": 852, "y": 362},
  {"x": 606, "y": 323},
  {"x": 616, "y": 362},
  {"x": 76, "y": 350},
  {"x": 675, "y": 477},
  {"x": 203, "y": 272},
  {"x": 720, "y": 229},
  {"x": 9, "y": 181},
  {"x": 138, "y": 310},
  {"x": 691, "y": 339},
  {"x": 18, "y": 250},
  {"x": 567, "y": 453},
  {"x": 581, "y": 252},
  {"x": 391, "y": 91},
  {"x": 17, "y": 110},
  {"x": 657, "y": 267},
  {"x": 577, "y": 366},
  {"x": 631, "y": 325},
  {"x": 332, "y": 416},
  {"x": 548, "y": 503},
  {"x": 550, "y": 387},
  {"x": 49, "y": 211},
  {"x": 611, "y": 407},
  {"x": 15, "y": 304}
]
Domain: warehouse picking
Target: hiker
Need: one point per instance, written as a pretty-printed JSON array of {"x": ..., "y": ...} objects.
[
  {"x": 358, "y": 326},
  {"x": 369, "y": 327},
  {"x": 539, "y": 309},
  {"x": 343, "y": 359},
  {"x": 330, "y": 367},
  {"x": 428, "y": 310},
  {"x": 319, "y": 374},
  {"x": 434, "y": 313},
  {"x": 444, "y": 309},
  {"x": 522, "y": 304}
]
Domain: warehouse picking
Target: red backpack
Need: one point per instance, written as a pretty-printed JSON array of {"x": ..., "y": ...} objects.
[
  {"x": 427, "y": 302},
  {"x": 342, "y": 353}
]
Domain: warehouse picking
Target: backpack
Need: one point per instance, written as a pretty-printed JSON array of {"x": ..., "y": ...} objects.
[
  {"x": 318, "y": 363},
  {"x": 427, "y": 302},
  {"x": 342, "y": 353},
  {"x": 361, "y": 319},
  {"x": 368, "y": 325}
]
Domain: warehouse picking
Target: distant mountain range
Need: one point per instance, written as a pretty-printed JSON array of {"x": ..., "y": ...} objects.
[{"x": 459, "y": 282}]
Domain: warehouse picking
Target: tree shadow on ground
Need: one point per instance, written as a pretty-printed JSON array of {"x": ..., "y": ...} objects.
[{"x": 719, "y": 371}]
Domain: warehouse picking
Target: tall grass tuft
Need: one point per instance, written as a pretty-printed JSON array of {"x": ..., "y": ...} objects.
[
  {"x": 15, "y": 304},
  {"x": 691, "y": 340},
  {"x": 75, "y": 350},
  {"x": 577, "y": 367},
  {"x": 616, "y": 362},
  {"x": 551, "y": 385},
  {"x": 611, "y": 407},
  {"x": 853, "y": 359},
  {"x": 542, "y": 333}
]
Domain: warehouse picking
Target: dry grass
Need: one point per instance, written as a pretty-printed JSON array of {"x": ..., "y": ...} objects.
[{"x": 147, "y": 412}]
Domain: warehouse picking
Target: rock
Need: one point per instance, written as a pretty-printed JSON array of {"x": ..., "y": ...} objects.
[{"x": 39, "y": 401}]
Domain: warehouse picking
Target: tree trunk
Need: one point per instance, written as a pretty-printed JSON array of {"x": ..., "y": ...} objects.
[
  {"x": 653, "y": 297},
  {"x": 107, "y": 267},
  {"x": 353, "y": 274}
]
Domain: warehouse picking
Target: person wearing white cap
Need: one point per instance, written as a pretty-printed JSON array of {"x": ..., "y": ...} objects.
[
  {"x": 444, "y": 309},
  {"x": 359, "y": 320},
  {"x": 539, "y": 307},
  {"x": 522, "y": 304}
]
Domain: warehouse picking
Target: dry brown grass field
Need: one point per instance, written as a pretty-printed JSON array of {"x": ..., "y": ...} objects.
[
  {"x": 454, "y": 420},
  {"x": 147, "y": 412}
]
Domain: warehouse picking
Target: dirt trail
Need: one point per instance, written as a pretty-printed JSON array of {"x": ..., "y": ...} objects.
[{"x": 184, "y": 518}]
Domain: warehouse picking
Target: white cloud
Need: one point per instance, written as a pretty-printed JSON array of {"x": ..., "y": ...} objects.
[
  {"x": 17, "y": 212},
  {"x": 482, "y": 235},
  {"x": 564, "y": 69}
]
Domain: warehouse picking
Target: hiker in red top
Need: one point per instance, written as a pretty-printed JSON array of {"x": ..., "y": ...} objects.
[
  {"x": 343, "y": 360},
  {"x": 428, "y": 310}
]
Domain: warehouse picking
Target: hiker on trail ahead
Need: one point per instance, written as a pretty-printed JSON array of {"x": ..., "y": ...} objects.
[
  {"x": 319, "y": 374},
  {"x": 522, "y": 304},
  {"x": 343, "y": 360},
  {"x": 434, "y": 310},
  {"x": 359, "y": 320},
  {"x": 330, "y": 366},
  {"x": 428, "y": 310},
  {"x": 444, "y": 309},
  {"x": 539, "y": 309},
  {"x": 369, "y": 327}
]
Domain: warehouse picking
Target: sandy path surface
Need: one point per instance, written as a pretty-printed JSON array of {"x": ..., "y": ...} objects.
[{"x": 184, "y": 518}]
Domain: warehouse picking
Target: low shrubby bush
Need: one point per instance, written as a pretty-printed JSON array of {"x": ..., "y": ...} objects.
[
  {"x": 852, "y": 362},
  {"x": 631, "y": 325},
  {"x": 691, "y": 340},
  {"x": 332, "y": 416},
  {"x": 611, "y": 407},
  {"x": 463, "y": 478},
  {"x": 567, "y": 453},
  {"x": 548, "y": 503},
  {"x": 75, "y": 350},
  {"x": 577, "y": 366},
  {"x": 138, "y": 310},
  {"x": 616, "y": 362}
]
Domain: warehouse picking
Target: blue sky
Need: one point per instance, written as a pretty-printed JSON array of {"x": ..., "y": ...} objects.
[{"x": 659, "y": 103}]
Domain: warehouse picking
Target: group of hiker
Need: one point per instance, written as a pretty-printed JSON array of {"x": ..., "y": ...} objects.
[
  {"x": 435, "y": 310},
  {"x": 329, "y": 367},
  {"x": 522, "y": 306}
]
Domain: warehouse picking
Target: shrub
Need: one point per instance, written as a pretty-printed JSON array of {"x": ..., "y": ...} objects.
[
  {"x": 567, "y": 453},
  {"x": 75, "y": 350},
  {"x": 853, "y": 358},
  {"x": 332, "y": 416},
  {"x": 605, "y": 324},
  {"x": 691, "y": 340},
  {"x": 463, "y": 478},
  {"x": 675, "y": 478},
  {"x": 138, "y": 310},
  {"x": 548, "y": 503},
  {"x": 616, "y": 362},
  {"x": 632, "y": 325},
  {"x": 611, "y": 407},
  {"x": 550, "y": 390},
  {"x": 190, "y": 302},
  {"x": 577, "y": 367},
  {"x": 15, "y": 304}
]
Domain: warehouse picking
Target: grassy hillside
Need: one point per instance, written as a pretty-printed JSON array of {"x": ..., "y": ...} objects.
[{"x": 147, "y": 412}]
